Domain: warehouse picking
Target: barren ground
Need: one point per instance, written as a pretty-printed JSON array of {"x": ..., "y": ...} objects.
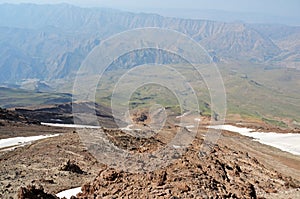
[{"x": 273, "y": 173}]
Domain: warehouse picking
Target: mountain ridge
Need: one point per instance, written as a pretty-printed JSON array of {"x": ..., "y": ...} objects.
[{"x": 55, "y": 39}]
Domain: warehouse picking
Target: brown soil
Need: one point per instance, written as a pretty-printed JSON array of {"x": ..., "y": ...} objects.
[
  {"x": 228, "y": 172},
  {"x": 41, "y": 163},
  {"x": 237, "y": 167}
]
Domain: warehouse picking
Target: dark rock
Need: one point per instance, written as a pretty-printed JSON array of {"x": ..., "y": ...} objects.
[
  {"x": 72, "y": 167},
  {"x": 251, "y": 191},
  {"x": 13, "y": 116},
  {"x": 31, "y": 192},
  {"x": 143, "y": 117}
]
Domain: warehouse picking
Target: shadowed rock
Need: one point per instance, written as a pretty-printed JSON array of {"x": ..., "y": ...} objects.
[
  {"x": 31, "y": 192},
  {"x": 72, "y": 167}
]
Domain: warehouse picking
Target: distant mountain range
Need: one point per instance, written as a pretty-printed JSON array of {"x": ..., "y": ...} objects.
[
  {"x": 222, "y": 15},
  {"x": 49, "y": 42}
]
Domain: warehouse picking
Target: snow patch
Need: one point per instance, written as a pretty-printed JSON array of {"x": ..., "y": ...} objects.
[
  {"x": 176, "y": 147},
  {"x": 288, "y": 142},
  {"x": 70, "y": 125},
  {"x": 68, "y": 193},
  {"x": 129, "y": 128},
  {"x": 21, "y": 141}
]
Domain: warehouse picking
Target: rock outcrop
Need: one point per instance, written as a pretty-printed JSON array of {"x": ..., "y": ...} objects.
[
  {"x": 72, "y": 167},
  {"x": 31, "y": 192},
  {"x": 12, "y": 116},
  {"x": 225, "y": 173}
]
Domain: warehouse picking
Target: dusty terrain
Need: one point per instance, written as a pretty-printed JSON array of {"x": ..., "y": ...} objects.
[
  {"x": 237, "y": 167},
  {"x": 43, "y": 162},
  {"x": 228, "y": 172}
]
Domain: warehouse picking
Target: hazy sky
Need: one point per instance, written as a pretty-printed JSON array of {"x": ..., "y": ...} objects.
[{"x": 285, "y": 8}]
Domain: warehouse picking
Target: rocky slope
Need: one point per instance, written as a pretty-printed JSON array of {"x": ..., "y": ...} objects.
[
  {"x": 225, "y": 173},
  {"x": 7, "y": 116},
  {"x": 16, "y": 97},
  {"x": 64, "y": 114},
  {"x": 229, "y": 171},
  {"x": 237, "y": 166},
  {"x": 55, "y": 164}
]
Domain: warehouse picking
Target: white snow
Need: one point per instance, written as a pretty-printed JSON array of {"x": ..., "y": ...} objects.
[
  {"x": 130, "y": 127},
  {"x": 176, "y": 147},
  {"x": 240, "y": 130},
  {"x": 70, "y": 125},
  {"x": 127, "y": 128},
  {"x": 289, "y": 142},
  {"x": 21, "y": 141},
  {"x": 68, "y": 193}
]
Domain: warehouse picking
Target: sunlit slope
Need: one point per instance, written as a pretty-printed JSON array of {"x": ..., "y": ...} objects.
[
  {"x": 252, "y": 91},
  {"x": 18, "y": 97}
]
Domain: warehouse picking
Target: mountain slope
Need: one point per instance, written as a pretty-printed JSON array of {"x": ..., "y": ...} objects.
[
  {"x": 53, "y": 40},
  {"x": 19, "y": 97},
  {"x": 287, "y": 38}
]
